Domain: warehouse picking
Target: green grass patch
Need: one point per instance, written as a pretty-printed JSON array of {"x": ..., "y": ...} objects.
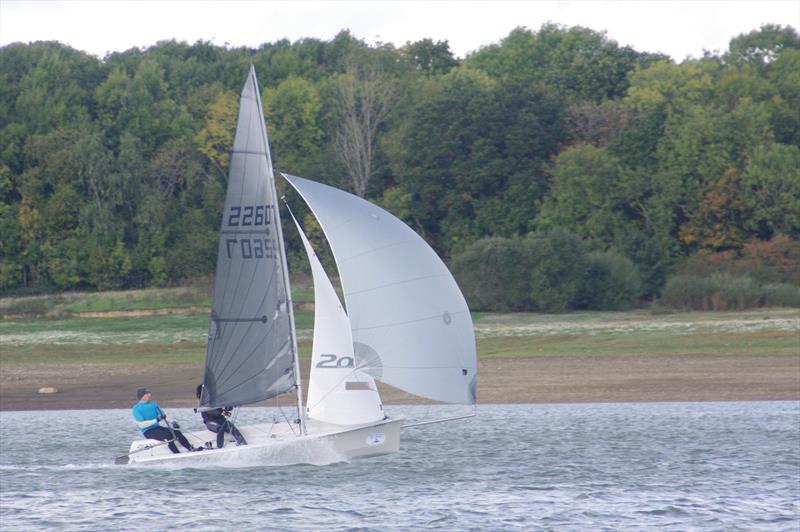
[
  {"x": 303, "y": 292},
  {"x": 150, "y": 353},
  {"x": 167, "y": 328},
  {"x": 647, "y": 343},
  {"x": 303, "y": 319},
  {"x": 145, "y": 324},
  {"x": 151, "y": 299},
  {"x": 516, "y": 346},
  {"x": 131, "y": 300},
  {"x": 173, "y": 338}
]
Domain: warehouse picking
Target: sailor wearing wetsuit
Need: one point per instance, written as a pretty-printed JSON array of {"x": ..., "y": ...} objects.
[
  {"x": 148, "y": 414},
  {"x": 216, "y": 420}
]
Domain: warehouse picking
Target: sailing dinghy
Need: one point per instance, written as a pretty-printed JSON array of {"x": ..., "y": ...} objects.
[{"x": 406, "y": 322}]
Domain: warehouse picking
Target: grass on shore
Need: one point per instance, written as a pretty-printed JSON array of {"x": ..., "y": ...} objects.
[
  {"x": 496, "y": 347},
  {"x": 73, "y": 303},
  {"x": 194, "y": 295},
  {"x": 181, "y": 338},
  {"x": 167, "y": 328},
  {"x": 640, "y": 344}
]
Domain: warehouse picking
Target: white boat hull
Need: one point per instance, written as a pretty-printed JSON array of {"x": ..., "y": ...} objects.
[{"x": 277, "y": 444}]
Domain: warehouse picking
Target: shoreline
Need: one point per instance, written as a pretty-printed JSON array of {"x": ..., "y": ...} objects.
[{"x": 603, "y": 378}]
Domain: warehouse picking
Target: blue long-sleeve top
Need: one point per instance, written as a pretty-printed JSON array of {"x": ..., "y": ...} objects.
[{"x": 146, "y": 415}]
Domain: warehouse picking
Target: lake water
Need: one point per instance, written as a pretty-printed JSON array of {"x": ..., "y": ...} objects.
[{"x": 668, "y": 466}]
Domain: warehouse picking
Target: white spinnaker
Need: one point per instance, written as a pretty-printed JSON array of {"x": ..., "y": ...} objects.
[
  {"x": 338, "y": 392},
  {"x": 410, "y": 323}
]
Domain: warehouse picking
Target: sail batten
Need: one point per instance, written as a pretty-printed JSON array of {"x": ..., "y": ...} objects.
[
  {"x": 397, "y": 283},
  {"x": 395, "y": 324}
]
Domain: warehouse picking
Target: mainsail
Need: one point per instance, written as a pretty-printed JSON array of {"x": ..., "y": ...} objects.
[
  {"x": 410, "y": 323},
  {"x": 251, "y": 349}
]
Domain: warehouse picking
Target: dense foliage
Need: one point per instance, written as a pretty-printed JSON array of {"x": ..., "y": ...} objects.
[
  {"x": 112, "y": 171},
  {"x": 549, "y": 271}
]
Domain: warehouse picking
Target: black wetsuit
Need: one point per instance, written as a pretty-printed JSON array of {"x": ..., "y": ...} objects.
[
  {"x": 165, "y": 434},
  {"x": 216, "y": 421}
]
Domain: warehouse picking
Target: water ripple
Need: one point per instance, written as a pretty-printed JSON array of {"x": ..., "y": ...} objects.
[{"x": 699, "y": 466}]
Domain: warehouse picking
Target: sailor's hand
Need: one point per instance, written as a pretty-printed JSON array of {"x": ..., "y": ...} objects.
[{"x": 162, "y": 417}]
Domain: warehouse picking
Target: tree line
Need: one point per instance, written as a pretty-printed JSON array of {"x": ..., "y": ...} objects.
[{"x": 113, "y": 170}]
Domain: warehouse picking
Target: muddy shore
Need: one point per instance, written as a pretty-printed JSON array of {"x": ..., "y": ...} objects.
[{"x": 541, "y": 379}]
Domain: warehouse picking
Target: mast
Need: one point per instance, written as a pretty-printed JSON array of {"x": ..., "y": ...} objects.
[{"x": 290, "y": 309}]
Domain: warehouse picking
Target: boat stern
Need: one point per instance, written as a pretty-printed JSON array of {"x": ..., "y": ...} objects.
[{"x": 374, "y": 440}]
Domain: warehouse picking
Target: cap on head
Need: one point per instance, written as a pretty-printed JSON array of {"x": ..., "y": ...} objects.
[{"x": 141, "y": 391}]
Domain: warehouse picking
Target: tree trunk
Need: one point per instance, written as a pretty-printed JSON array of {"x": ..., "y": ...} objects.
[{"x": 364, "y": 99}]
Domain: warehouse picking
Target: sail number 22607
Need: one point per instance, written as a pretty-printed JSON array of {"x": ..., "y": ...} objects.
[
  {"x": 249, "y": 215},
  {"x": 259, "y": 217}
]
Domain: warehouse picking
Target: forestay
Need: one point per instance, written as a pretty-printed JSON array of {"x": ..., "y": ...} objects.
[
  {"x": 250, "y": 345},
  {"x": 410, "y": 323}
]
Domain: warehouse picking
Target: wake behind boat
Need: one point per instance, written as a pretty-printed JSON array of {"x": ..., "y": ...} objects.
[{"x": 406, "y": 322}]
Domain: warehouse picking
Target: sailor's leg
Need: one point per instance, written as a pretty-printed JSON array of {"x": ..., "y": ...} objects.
[
  {"x": 219, "y": 429},
  {"x": 162, "y": 434},
  {"x": 230, "y": 427},
  {"x": 183, "y": 440}
]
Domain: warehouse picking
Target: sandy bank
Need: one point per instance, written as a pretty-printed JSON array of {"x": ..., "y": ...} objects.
[{"x": 544, "y": 379}]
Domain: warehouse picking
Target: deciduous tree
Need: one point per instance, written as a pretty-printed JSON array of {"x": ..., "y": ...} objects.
[{"x": 364, "y": 98}]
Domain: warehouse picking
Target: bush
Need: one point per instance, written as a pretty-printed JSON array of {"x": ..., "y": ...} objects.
[
  {"x": 723, "y": 291},
  {"x": 734, "y": 292},
  {"x": 612, "y": 282},
  {"x": 549, "y": 271},
  {"x": 781, "y": 295},
  {"x": 544, "y": 272},
  {"x": 770, "y": 261},
  {"x": 557, "y": 269},
  {"x": 686, "y": 292},
  {"x": 493, "y": 273}
]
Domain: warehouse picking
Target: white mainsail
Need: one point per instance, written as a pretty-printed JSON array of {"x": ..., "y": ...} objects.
[{"x": 410, "y": 323}]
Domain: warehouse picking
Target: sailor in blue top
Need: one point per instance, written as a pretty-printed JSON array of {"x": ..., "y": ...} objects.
[{"x": 148, "y": 416}]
